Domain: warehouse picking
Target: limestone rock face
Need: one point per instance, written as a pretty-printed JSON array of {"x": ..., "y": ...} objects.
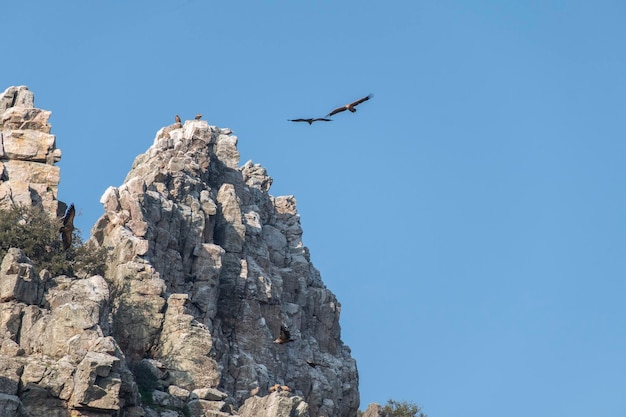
[
  {"x": 28, "y": 175},
  {"x": 275, "y": 404},
  {"x": 57, "y": 356},
  {"x": 18, "y": 280},
  {"x": 205, "y": 266}
]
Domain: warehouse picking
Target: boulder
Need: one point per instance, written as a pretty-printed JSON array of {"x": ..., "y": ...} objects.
[
  {"x": 274, "y": 405},
  {"x": 10, "y": 406},
  {"x": 18, "y": 280}
]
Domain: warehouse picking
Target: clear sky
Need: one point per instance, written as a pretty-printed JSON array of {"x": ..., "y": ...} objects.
[{"x": 471, "y": 217}]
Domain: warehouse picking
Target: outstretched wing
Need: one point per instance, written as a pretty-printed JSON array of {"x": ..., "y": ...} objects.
[
  {"x": 315, "y": 364},
  {"x": 350, "y": 106},
  {"x": 66, "y": 238},
  {"x": 68, "y": 219},
  {"x": 337, "y": 110},
  {"x": 299, "y": 120},
  {"x": 67, "y": 228},
  {"x": 361, "y": 100},
  {"x": 322, "y": 119}
]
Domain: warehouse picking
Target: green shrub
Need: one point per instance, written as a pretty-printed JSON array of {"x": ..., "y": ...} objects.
[
  {"x": 402, "y": 409},
  {"x": 32, "y": 230},
  {"x": 399, "y": 409},
  {"x": 146, "y": 382}
]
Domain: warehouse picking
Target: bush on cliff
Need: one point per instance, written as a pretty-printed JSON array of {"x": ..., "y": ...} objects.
[
  {"x": 32, "y": 230},
  {"x": 399, "y": 409},
  {"x": 402, "y": 409}
]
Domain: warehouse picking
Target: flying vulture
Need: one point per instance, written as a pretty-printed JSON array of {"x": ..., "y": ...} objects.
[
  {"x": 311, "y": 120},
  {"x": 177, "y": 119},
  {"x": 198, "y": 116},
  {"x": 67, "y": 227},
  {"x": 349, "y": 106},
  {"x": 285, "y": 335},
  {"x": 315, "y": 365}
]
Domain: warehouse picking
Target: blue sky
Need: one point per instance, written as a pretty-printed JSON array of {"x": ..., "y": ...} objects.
[{"x": 473, "y": 211}]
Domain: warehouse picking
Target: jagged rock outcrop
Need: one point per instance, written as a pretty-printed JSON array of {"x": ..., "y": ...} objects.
[
  {"x": 56, "y": 353},
  {"x": 57, "y": 356},
  {"x": 373, "y": 410},
  {"x": 28, "y": 175},
  {"x": 275, "y": 404},
  {"x": 205, "y": 265}
]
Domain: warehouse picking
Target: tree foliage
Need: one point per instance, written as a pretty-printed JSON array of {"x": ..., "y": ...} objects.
[
  {"x": 399, "y": 409},
  {"x": 402, "y": 409},
  {"x": 146, "y": 382},
  {"x": 32, "y": 230}
]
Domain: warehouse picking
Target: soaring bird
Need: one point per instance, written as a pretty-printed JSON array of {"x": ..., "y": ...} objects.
[
  {"x": 177, "y": 118},
  {"x": 67, "y": 227},
  {"x": 311, "y": 120},
  {"x": 285, "y": 335},
  {"x": 349, "y": 106},
  {"x": 198, "y": 116},
  {"x": 314, "y": 364}
]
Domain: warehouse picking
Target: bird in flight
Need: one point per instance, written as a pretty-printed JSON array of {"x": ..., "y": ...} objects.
[
  {"x": 285, "y": 335},
  {"x": 67, "y": 227},
  {"x": 315, "y": 364},
  {"x": 350, "y": 106},
  {"x": 311, "y": 120}
]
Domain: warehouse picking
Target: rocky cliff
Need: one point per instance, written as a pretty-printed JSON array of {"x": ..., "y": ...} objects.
[
  {"x": 28, "y": 175},
  {"x": 204, "y": 267}
]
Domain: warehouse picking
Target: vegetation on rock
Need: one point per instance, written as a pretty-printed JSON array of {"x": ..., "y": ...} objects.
[
  {"x": 32, "y": 230},
  {"x": 146, "y": 382},
  {"x": 402, "y": 409},
  {"x": 399, "y": 409}
]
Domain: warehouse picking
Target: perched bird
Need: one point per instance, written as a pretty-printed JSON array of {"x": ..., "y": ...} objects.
[
  {"x": 274, "y": 387},
  {"x": 67, "y": 227},
  {"x": 315, "y": 365},
  {"x": 198, "y": 116},
  {"x": 350, "y": 106},
  {"x": 285, "y": 335},
  {"x": 254, "y": 391},
  {"x": 310, "y": 121},
  {"x": 177, "y": 119}
]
